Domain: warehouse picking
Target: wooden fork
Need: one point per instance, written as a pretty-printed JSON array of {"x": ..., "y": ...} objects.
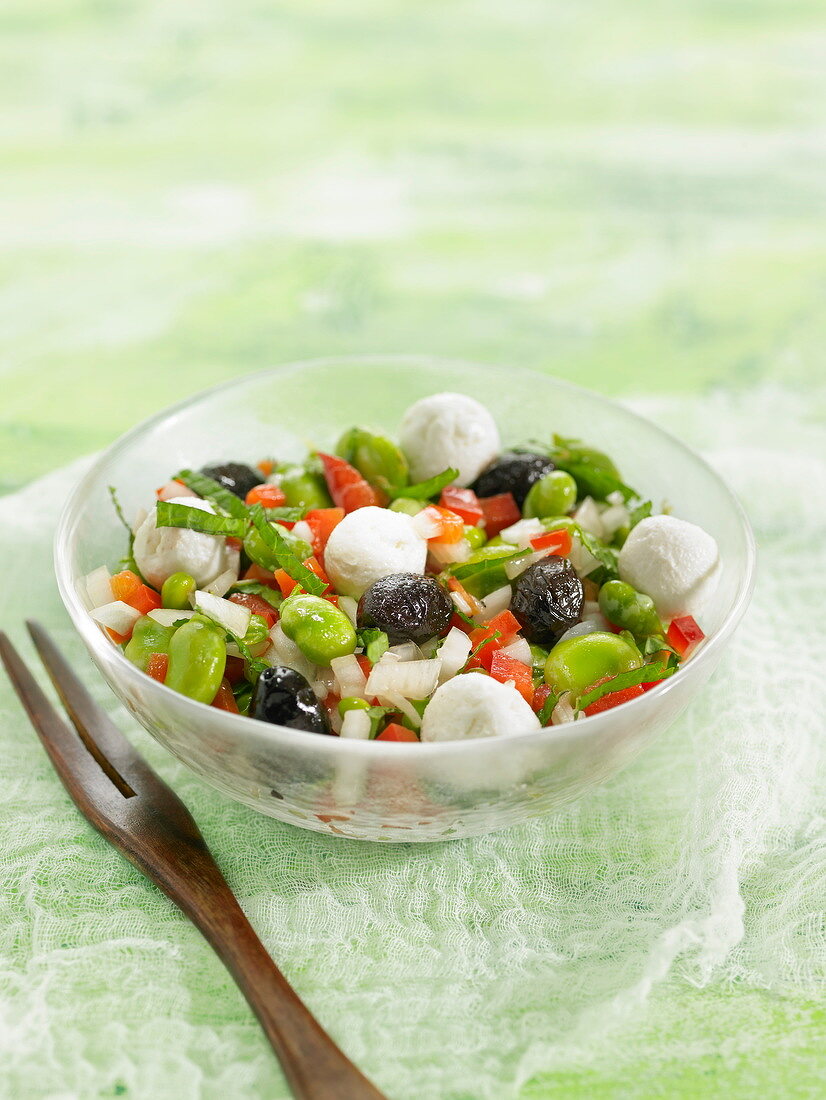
[{"x": 114, "y": 787}]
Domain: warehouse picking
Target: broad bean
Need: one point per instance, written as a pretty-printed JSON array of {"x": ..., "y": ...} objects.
[
  {"x": 319, "y": 629},
  {"x": 576, "y": 664},
  {"x": 197, "y": 659}
]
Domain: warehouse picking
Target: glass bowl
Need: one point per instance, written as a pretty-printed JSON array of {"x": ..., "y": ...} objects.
[{"x": 376, "y": 790}]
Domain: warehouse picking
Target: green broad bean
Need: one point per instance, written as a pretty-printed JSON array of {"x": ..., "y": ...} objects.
[
  {"x": 319, "y": 629},
  {"x": 197, "y": 659},
  {"x": 553, "y": 495},
  {"x": 408, "y": 505},
  {"x": 375, "y": 457},
  {"x": 148, "y": 637},
  {"x": 475, "y": 536},
  {"x": 352, "y": 702},
  {"x": 576, "y": 664},
  {"x": 243, "y": 698},
  {"x": 257, "y": 631},
  {"x": 176, "y": 591},
  {"x": 623, "y": 606},
  {"x": 259, "y": 552},
  {"x": 303, "y": 488}
]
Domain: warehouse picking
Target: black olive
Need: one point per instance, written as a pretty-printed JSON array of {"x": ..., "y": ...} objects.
[
  {"x": 235, "y": 476},
  {"x": 547, "y": 599},
  {"x": 512, "y": 472},
  {"x": 407, "y": 607},
  {"x": 284, "y": 697}
]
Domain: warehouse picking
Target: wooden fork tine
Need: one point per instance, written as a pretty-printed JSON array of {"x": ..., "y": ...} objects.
[
  {"x": 124, "y": 766},
  {"x": 80, "y": 774}
]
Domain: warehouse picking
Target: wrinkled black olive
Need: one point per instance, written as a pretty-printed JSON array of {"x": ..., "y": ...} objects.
[
  {"x": 284, "y": 697},
  {"x": 512, "y": 472},
  {"x": 547, "y": 599},
  {"x": 235, "y": 476},
  {"x": 407, "y": 607}
]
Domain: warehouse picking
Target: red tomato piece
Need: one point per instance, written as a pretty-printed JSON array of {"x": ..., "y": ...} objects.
[
  {"x": 234, "y": 671},
  {"x": 396, "y": 732},
  {"x": 540, "y": 697},
  {"x": 286, "y": 583},
  {"x": 558, "y": 542},
  {"x": 504, "y": 668},
  {"x": 157, "y": 666},
  {"x": 684, "y": 635},
  {"x": 263, "y": 576},
  {"x": 266, "y": 466},
  {"x": 348, "y": 488},
  {"x": 224, "y": 699},
  {"x": 257, "y": 605},
  {"x": 322, "y": 522},
  {"x": 451, "y": 526},
  {"x": 500, "y": 512},
  {"x": 464, "y": 502},
  {"x": 268, "y": 496},
  {"x": 614, "y": 698}
]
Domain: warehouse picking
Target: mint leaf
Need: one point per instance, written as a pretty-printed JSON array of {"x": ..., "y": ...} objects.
[
  {"x": 374, "y": 642},
  {"x": 647, "y": 674},
  {"x": 285, "y": 557},
  {"x": 214, "y": 492},
  {"x": 195, "y": 519},
  {"x": 424, "y": 489}
]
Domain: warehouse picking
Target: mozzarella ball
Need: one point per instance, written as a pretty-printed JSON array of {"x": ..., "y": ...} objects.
[
  {"x": 672, "y": 561},
  {"x": 449, "y": 429},
  {"x": 475, "y": 705},
  {"x": 369, "y": 544},
  {"x": 161, "y": 551}
]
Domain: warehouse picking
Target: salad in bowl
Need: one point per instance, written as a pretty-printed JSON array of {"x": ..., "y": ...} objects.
[{"x": 440, "y": 586}]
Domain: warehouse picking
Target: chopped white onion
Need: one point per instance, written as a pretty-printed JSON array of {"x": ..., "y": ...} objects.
[
  {"x": 453, "y": 653},
  {"x": 412, "y": 679},
  {"x": 429, "y": 648},
  {"x": 613, "y": 518},
  {"x": 407, "y": 651},
  {"x": 615, "y": 498},
  {"x": 350, "y": 608},
  {"x": 140, "y": 516},
  {"x": 427, "y": 524},
  {"x": 222, "y": 583},
  {"x": 592, "y": 614},
  {"x": 257, "y": 650},
  {"x": 495, "y": 602},
  {"x": 356, "y": 725},
  {"x": 517, "y": 566},
  {"x": 588, "y": 517},
  {"x": 581, "y": 559},
  {"x": 563, "y": 711},
  {"x": 117, "y": 616},
  {"x": 587, "y": 626},
  {"x": 168, "y": 616},
  {"x": 446, "y": 553},
  {"x": 398, "y": 702},
  {"x": 460, "y": 603},
  {"x": 174, "y": 489},
  {"x": 349, "y": 676},
  {"x": 231, "y": 616},
  {"x": 99, "y": 587},
  {"x": 284, "y": 651},
  {"x": 302, "y": 530},
  {"x": 521, "y": 532},
  {"x": 520, "y": 650}
]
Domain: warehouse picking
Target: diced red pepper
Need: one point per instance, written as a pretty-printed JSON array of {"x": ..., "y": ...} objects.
[
  {"x": 331, "y": 701},
  {"x": 364, "y": 663},
  {"x": 558, "y": 542},
  {"x": 128, "y": 587},
  {"x": 450, "y": 527},
  {"x": 266, "y": 466},
  {"x": 614, "y": 698},
  {"x": 396, "y": 732},
  {"x": 157, "y": 666},
  {"x": 502, "y": 630},
  {"x": 263, "y": 576},
  {"x": 540, "y": 697},
  {"x": 257, "y": 605},
  {"x": 224, "y": 699},
  {"x": 234, "y": 671},
  {"x": 500, "y": 512},
  {"x": 460, "y": 624},
  {"x": 234, "y": 543},
  {"x": 268, "y": 496},
  {"x": 464, "y": 502},
  {"x": 348, "y": 488},
  {"x": 505, "y": 622},
  {"x": 322, "y": 522},
  {"x": 504, "y": 667},
  {"x": 286, "y": 583},
  {"x": 684, "y": 635}
]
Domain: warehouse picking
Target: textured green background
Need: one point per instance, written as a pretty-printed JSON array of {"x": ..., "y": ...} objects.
[{"x": 631, "y": 195}]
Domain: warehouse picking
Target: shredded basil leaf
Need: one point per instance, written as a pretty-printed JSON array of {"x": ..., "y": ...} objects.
[
  {"x": 128, "y": 561},
  {"x": 256, "y": 588},
  {"x": 594, "y": 473},
  {"x": 195, "y": 519},
  {"x": 422, "y": 490},
  {"x": 284, "y": 555},
  {"x": 656, "y": 643},
  {"x": 214, "y": 492},
  {"x": 286, "y": 514},
  {"x": 374, "y": 642},
  {"x": 377, "y": 716},
  {"x": 547, "y": 709},
  {"x": 647, "y": 674},
  {"x": 640, "y": 511},
  {"x": 462, "y": 570}
]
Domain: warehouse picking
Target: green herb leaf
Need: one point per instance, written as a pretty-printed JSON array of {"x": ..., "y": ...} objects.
[
  {"x": 377, "y": 716},
  {"x": 128, "y": 562},
  {"x": 647, "y": 674},
  {"x": 462, "y": 570},
  {"x": 422, "y": 490},
  {"x": 286, "y": 514},
  {"x": 656, "y": 643},
  {"x": 214, "y": 492},
  {"x": 478, "y": 649},
  {"x": 374, "y": 642},
  {"x": 548, "y": 709},
  {"x": 195, "y": 519},
  {"x": 284, "y": 555},
  {"x": 640, "y": 511},
  {"x": 607, "y": 556},
  {"x": 594, "y": 473},
  {"x": 255, "y": 588}
]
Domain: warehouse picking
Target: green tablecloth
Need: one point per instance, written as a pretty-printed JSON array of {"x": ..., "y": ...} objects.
[{"x": 631, "y": 196}]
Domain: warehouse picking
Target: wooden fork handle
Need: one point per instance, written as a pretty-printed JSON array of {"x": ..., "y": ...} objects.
[{"x": 316, "y": 1068}]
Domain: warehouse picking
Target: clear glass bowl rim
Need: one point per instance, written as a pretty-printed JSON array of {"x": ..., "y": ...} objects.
[{"x": 240, "y": 724}]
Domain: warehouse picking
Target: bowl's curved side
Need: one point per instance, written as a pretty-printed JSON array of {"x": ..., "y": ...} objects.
[{"x": 375, "y": 790}]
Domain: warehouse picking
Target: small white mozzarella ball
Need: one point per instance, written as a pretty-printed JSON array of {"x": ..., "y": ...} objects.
[
  {"x": 369, "y": 544},
  {"x": 672, "y": 561},
  {"x": 161, "y": 551},
  {"x": 449, "y": 429},
  {"x": 474, "y": 705}
]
